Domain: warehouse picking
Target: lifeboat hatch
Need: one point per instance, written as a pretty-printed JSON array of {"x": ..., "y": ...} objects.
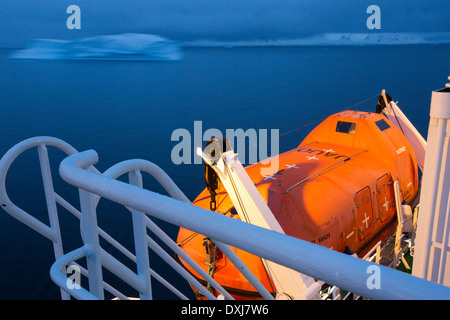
[
  {"x": 363, "y": 202},
  {"x": 385, "y": 195}
]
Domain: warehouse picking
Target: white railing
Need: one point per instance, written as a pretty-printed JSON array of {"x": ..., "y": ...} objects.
[
  {"x": 133, "y": 169},
  {"x": 51, "y": 232},
  {"x": 334, "y": 268}
]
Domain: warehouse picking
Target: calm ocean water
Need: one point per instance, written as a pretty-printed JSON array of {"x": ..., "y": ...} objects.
[{"x": 126, "y": 110}]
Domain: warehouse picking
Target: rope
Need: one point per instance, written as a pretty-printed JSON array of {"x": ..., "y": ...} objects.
[{"x": 212, "y": 268}]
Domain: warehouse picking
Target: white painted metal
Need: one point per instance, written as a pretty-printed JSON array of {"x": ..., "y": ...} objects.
[
  {"x": 8, "y": 205},
  {"x": 51, "y": 232},
  {"x": 155, "y": 171},
  {"x": 51, "y": 195},
  {"x": 252, "y": 208},
  {"x": 136, "y": 166},
  {"x": 89, "y": 234},
  {"x": 432, "y": 245},
  {"x": 404, "y": 223},
  {"x": 121, "y": 249},
  {"x": 60, "y": 278},
  {"x": 146, "y": 166},
  {"x": 319, "y": 262},
  {"x": 401, "y": 121},
  {"x": 404, "y": 211},
  {"x": 140, "y": 241}
]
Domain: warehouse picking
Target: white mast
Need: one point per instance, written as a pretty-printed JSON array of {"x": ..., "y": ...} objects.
[
  {"x": 398, "y": 118},
  {"x": 432, "y": 246}
]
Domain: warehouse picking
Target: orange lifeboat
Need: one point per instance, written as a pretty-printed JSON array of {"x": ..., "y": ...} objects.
[{"x": 336, "y": 189}]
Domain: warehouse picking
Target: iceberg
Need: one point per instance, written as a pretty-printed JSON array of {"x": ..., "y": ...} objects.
[{"x": 129, "y": 46}]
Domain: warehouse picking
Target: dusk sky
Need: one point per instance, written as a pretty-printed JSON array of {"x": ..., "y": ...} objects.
[{"x": 215, "y": 19}]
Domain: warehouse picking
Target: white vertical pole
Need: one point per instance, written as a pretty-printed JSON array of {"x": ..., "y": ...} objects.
[
  {"x": 432, "y": 247},
  {"x": 89, "y": 234},
  {"x": 140, "y": 241},
  {"x": 51, "y": 206}
]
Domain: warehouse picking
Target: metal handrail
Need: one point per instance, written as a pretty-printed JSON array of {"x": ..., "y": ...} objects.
[
  {"x": 134, "y": 167},
  {"x": 137, "y": 165},
  {"x": 61, "y": 280},
  {"x": 335, "y": 268},
  {"x": 52, "y": 232},
  {"x": 47, "y": 231}
]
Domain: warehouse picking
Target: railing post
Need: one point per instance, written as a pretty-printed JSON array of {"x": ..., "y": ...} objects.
[
  {"x": 140, "y": 240},
  {"x": 89, "y": 234},
  {"x": 51, "y": 206}
]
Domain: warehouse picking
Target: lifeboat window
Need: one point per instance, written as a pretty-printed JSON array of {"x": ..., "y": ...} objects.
[
  {"x": 382, "y": 125},
  {"x": 346, "y": 127}
]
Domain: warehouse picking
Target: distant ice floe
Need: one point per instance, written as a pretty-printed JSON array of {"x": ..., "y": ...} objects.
[
  {"x": 129, "y": 46},
  {"x": 335, "y": 39}
]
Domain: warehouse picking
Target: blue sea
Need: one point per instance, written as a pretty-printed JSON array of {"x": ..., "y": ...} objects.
[{"x": 129, "y": 109}]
